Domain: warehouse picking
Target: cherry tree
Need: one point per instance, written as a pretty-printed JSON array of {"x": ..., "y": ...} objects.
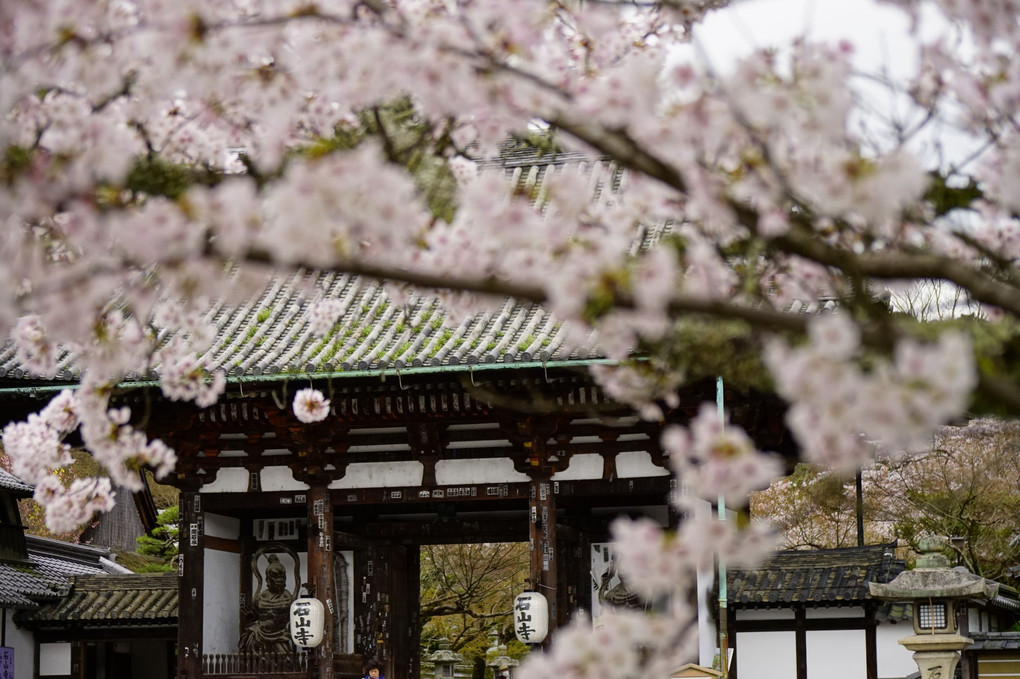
[
  {"x": 961, "y": 486},
  {"x": 157, "y": 156}
]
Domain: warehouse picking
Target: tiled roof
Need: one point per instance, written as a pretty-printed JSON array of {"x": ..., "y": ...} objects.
[
  {"x": 994, "y": 641},
  {"x": 376, "y": 333},
  {"x": 822, "y": 577},
  {"x": 23, "y": 586},
  {"x": 46, "y": 575},
  {"x": 271, "y": 335},
  {"x": 110, "y": 601},
  {"x": 10, "y": 482}
]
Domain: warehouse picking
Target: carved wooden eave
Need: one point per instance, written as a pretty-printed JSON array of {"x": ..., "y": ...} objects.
[
  {"x": 387, "y": 422},
  {"x": 540, "y": 420}
]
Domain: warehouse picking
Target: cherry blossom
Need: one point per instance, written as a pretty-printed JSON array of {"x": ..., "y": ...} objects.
[
  {"x": 310, "y": 406},
  {"x": 717, "y": 460},
  {"x": 158, "y": 159}
]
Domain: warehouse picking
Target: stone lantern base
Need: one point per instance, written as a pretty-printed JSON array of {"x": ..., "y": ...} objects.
[
  {"x": 937, "y": 664},
  {"x": 936, "y": 655}
]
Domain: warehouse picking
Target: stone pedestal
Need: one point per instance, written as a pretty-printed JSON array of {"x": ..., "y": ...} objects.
[
  {"x": 936, "y": 655},
  {"x": 937, "y": 664}
]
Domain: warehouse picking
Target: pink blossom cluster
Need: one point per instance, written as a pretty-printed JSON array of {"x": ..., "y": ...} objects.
[
  {"x": 67, "y": 508},
  {"x": 714, "y": 459},
  {"x": 625, "y": 643},
  {"x": 35, "y": 448},
  {"x": 656, "y": 562},
  {"x": 842, "y": 414},
  {"x": 124, "y": 451},
  {"x": 183, "y": 377}
]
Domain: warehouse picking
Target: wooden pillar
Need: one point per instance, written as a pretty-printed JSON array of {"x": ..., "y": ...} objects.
[
  {"x": 190, "y": 571},
  {"x": 320, "y": 572},
  {"x": 412, "y": 589},
  {"x": 870, "y": 642},
  {"x": 800, "y": 633},
  {"x": 542, "y": 539}
]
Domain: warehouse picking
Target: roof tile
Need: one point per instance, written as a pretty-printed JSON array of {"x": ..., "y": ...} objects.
[
  {"x": 110, "y": 600},
  {"x": 814, "y": 576}
]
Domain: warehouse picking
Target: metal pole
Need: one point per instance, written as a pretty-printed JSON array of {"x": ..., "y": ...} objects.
[
  {"x": 723, "y": 615},
  {"x": 860, "y": 508}
]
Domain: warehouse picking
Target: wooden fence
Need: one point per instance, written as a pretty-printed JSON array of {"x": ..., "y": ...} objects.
[{"x": 254, "y": 663}]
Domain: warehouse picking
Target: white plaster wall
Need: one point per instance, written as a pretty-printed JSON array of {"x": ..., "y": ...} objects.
[
  {"x": 228, "y": 480},
  {"x": 767, "y": 655},
  {"x": 637, "y": 464},
  {"x": 581, "y": 467},
  {"x": 235, "y": 480},
  {"x": 22, "y": 642},
  {"x": 54, "y": 659},
  {"x": 381, "y": 475},
  {"x": 836, "y": 654},
  {"x": 221, "y": 587},
  {"x": 349, "y": 557},
  {"x": 220, "y": 526},
  {"x": 893, "y": 659},
  {"x": 476, "y": 472},
  {"x": 280, "y": 478}
]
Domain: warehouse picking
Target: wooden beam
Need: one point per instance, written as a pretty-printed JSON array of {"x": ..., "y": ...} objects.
[
  {"x": 191, "y": 569},
  {"x": 542, "y": 540},
  {"x": 320, "y": 571},
  {"x": 800, "y": 633}
]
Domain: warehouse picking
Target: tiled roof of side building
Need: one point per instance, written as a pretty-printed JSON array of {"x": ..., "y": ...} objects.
[
  {"x": 22, "y": 586},
  {"x": 110, "y": 601},
  {"x": 829, "y": 577},
  {"x": 994, "y": 641},
  {"x": 11, "y": 483},
  {"x": 45, "y": 575}
]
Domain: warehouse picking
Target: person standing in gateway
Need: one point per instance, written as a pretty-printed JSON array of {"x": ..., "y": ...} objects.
[{"x": 374, "y": 670}]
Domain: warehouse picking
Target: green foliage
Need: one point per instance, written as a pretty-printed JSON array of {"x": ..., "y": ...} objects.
[
  {"x": 162, "y": 542},
  {"x": 16, "y": 160},
  {"x": 33, "y": 515},
  {"x": 945, "y": 198},
  {"x": 467, "y": 591},
  {"x": 726, "y": 349},
  {"x": 155, "y": 176},
  {"x": 541, "y": 141}
]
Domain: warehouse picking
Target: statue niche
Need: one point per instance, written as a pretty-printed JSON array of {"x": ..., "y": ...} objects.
[{"x": 266, "y": 626}]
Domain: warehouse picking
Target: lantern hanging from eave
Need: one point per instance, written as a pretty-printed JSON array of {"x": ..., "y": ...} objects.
[
  {"x": 307, "y": 619},
  {"x": 531, "y": 617}
]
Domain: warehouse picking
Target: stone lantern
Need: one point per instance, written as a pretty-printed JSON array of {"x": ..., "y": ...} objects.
[
  {"x": 498, "y": 659},
  {"x": 936, "y": 591},
  {"x": 445, "y": 660}
]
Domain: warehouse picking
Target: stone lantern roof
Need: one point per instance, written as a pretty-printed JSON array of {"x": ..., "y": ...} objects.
[
  {"x": 443, "y": 654},
  {"x": 932, "y": 578}
]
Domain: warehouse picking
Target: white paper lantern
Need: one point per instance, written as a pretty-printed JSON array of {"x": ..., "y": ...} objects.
[
  {"x": 306, "y": 622},
  {"x": 531, "y": 617}
]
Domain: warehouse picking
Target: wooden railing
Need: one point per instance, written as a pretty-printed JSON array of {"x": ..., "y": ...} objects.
[
  {"x": 254, "y": 663},
  {"x": 228, "y": 665}
]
